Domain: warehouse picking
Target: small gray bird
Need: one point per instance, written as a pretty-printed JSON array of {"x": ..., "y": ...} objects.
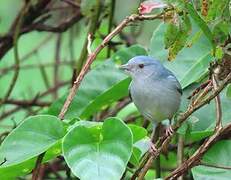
[{"x": 154, "y": 89}]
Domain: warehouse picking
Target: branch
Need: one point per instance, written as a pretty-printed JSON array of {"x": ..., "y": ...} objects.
[
  {"x": 72, "y": 3},
  {"x": 57, "y": 62},
  {"x": 27, "y": 103},
  {"x": 61, "y": 27},
  {"x": 89, "y": 38},
  {"x": 194, "y": 160},
  {"x": 218, "y": 105},
  {"x": 16, "y": 53},
  {"x": 34, "y": 11},
  {"x": 47, "y": 92}
]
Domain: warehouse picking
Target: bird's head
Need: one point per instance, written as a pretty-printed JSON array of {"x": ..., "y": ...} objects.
[{"x": 142, "y": 66}]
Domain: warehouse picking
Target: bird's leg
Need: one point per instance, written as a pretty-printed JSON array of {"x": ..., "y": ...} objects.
[
  {"x": 169, "y": 131},
  {"x": 152, "y": 148},
  {"x": 154, "y": 138}
]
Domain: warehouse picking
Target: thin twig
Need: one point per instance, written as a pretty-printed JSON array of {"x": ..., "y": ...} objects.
[
  {"x": 27, "y": 103},
  {"x": 91, "y": 30},
  {"x": 16, "y": 53},
  {"x": 57, "y": 62},
  {"x": 110, "y": 23},
  {"x": 30, "y": 66},
  {"x": 37, "y": 166},
  {"x": 180, "y": 152},
  {"x": 194, "y": 160},
  {"x": 218, "y": 104},
  {"x": 89, "y": 42},
  {"x": 72, "y": 3},
  {"x": 34, "y": 11}
]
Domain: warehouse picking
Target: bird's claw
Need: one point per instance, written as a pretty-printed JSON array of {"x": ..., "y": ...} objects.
[
  {"x": 153, "y": 149},
  {"x": 169, "y": 131}
]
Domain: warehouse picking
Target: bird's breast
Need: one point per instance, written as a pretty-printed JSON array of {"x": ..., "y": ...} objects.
[{"x": 154, "y": 99}]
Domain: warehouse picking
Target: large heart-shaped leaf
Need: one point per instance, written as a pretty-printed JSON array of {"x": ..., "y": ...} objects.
[
  {"x": 102, "y": 85},
  {"x": 33, "y": 136},
  {"x": 217, "y": 155},
  {"x": 98, "y": 152}
]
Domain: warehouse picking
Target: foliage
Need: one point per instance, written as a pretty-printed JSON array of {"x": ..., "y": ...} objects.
[{"x": 102, "y": 135}]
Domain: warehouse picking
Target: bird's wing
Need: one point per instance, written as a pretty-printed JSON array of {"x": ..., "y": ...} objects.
[{"x": 171, "y": 78}]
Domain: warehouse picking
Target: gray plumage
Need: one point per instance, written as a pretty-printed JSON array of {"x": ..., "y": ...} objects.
[{"x": 154, "y": 89}]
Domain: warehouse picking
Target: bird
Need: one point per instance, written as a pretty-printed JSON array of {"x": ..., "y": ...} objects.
[{"x": 154, "y": 89}]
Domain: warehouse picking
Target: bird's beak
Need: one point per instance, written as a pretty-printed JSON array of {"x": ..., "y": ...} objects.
[{"x": 124, "y": 67}]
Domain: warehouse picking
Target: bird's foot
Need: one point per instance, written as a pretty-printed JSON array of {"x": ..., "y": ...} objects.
[
  {"x": 152, "y": 148},
  {"x": 169, "y": 131}
]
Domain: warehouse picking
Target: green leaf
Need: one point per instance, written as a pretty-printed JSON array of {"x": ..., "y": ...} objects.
[
  {"x": 87, "y": 7},
  {"x": 216, "y": 9},
  {"x": 24, "y": 168},
  {"x": 181, "y": 34},
  {"x": 125, "y": 54},
  {"x": 137, "y": 132},
  {"x": 186, "y": 58},
  {"x": 140, "y": 143},
  {"x": 101, "y": 86},
  {"x": 139, "y": 149},
  {"x": 221, "y": 30},
  {"x": 217, "y": 155},
  {"x": 196, "y": 71},
  {"x": 201, "y": 23},
  {"x": 98, "y": 152},
  {"x": 170, "y": 35},
  {"x": 35, "y": 135}
]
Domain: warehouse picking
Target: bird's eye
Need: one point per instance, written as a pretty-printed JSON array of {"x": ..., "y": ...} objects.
[{"x": 141, "y": 65}]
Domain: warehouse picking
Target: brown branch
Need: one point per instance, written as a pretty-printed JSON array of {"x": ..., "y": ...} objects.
[
  {"x": 9, "y": 112},
  {"x": 5, "y": 70},
  {"x": 27, "y": 103},
  {"x": 93, "y": 24},
  {"x": 37, "y": 166},
  {"x": 57, "y": 62},
  {"x": 16, "y": 53},
  {"x": 110, "y": 23},
  {"x": 72, "y": 3},
  {"x": 180, "y": 152},
  {"x": 61, "y": 27},
  {"x": 47, "y": 92},
  {"x": 194, "y": 160},
  {"x": 29, "y": 24},
  {"x": 218, "y": 105},
  {"x": 34, "y": 11}
]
